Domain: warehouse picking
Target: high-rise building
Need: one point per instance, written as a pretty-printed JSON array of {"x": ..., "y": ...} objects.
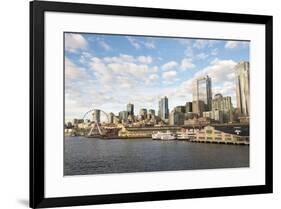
[
  {"x": 77, "y": 121},
  {"x": 202, "y": 91},
  {"x": 130, "y": 109},
  {"x": 176, "y": 118},
  {"x": 111, "y": 117},
  {"x": 181, "y": 109},
  {"x": 163, "y": 111},
  {"x": 151, "y": 113},
  {"x": 96, "y": 116},
  {"x": 242, "y": 78},
  {"x": 143, "y": 113},
  {"x": 188, "y": 107},
  {"x": 190, "y": 115},
  {"x": 198, "y": 107},
  {"x": 123, "y": 116},
  {"x": 216, "y": 115},
  {"x": 224, "y": 105}
]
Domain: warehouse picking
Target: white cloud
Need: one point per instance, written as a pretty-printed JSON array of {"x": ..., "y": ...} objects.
[
  {"x": 219, "y": 70},
  {"x": 105, "y": 45},
  {"x": 145, "y": 59},
  {"x": 82, "y": 91},
  {"x": 201, "y": 43},
  {"x": 136, "y": 70},
  {"x": 184, "y": 41},
  {"x": 215, "y": 52},
  {"x": 169, "y": 65},
  {"x": 153, "y": 77},
  {"x": 137, "y": 43},
  {"x": 72, "y": 71},
  {"x": 169, "y": 74},
  {"x": 235, "y": 44},
  {"x": 231, "y": 44},
  {"x": 124, "y": 58},
  {"x": 124, "y": 71},
  {"x": 186, "y": 64},
  {"x": 133, "y": 42},
  {"x": 154, "y": 69},
  {"x": 149, "y": 45},
  {"x": 202, "y": 56},
  {"x": 119, "y": 59},
  {"x": 74, "y": 41},
  {"x": 102, "y": 73},
  {"x": 85, "y": 57}
]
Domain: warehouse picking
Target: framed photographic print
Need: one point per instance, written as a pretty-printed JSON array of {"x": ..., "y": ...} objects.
[{"x": 135, "y": 104}]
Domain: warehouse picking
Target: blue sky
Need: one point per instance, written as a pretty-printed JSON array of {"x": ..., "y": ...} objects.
[{"x": 109, "y": 71}]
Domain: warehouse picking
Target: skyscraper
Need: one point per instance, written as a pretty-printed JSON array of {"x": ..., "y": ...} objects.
[
  {"x": 163, "y": 111},
  {"x": 202, "y": 91},
  {"x": 188, "y": 106},
  {"x": 223, "y": 104},
  {"x": 242, "y": 78},
  {"x": 96, "y": 116},
  {"x": 111, "y": 117},
  {"x": 130, "y": 109},
  {"x": 181, "y": 109},
  {"x": 123, "y": 116},
  {"x": 198, "y": 107},
  {"x": 176, "y": 118},
  {"x": 151, "y": 113},
  {"x": 143, "y": 113}
]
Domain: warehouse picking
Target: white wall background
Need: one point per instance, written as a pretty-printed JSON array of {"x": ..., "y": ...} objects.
[{"x": 14, "y": 105}]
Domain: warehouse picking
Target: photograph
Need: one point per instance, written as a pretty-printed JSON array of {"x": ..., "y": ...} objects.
[{"x": 135, "y": 103}]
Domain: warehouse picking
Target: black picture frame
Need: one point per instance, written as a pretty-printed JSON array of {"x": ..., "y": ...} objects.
[{"x": 37, "y": 101}]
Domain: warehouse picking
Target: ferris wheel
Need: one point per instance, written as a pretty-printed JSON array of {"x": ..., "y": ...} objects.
[{"x": 97, "y": 115}]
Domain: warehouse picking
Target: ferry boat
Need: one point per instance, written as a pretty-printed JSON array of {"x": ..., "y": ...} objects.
[
  {"x": 163, "y": 136},
  {"x": 183, "y": 136},
  {"x": 187, "y": 134}
]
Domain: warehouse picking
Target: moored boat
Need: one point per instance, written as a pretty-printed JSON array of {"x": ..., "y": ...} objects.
[
  {"x": 163, "y": 136},
  {"x": 183, "y": 136}
]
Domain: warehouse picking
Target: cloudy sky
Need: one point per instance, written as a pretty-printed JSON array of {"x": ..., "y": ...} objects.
[{"x": 108, "y": 71}]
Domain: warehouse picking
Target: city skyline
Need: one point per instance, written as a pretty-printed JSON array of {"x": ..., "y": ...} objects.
[{"x": 108, "y": 71}]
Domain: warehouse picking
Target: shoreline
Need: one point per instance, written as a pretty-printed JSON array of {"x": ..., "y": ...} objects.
[{"x": 186, "y": 140}]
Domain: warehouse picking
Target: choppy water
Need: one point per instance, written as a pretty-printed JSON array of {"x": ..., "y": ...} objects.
[{"x": 98, "y": 156}]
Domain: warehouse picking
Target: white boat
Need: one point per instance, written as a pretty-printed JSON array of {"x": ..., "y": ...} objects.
[
  {"x": 163, "y": 136},
  {"x": 187, "y": 135},
  {"x": 183, "y": 135}
]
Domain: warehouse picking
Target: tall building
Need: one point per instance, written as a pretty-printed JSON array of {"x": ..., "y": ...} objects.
[
  {"x": 181, "y": 109},
  {"x": 111, "y": 117},
  {"x": 163, "y": 111},
  {"x": 176, "y": 118},
  {"x": 130, "y": 109},
  {"x": 143, "y": 113},
  {"x": 242, "y": 78},
  {"x": 96, "y": 116},
  {"x": 188, "y": 107},
  {"x": 151, "y": 113},
  {"x": 224, "y": 105},
  {"x": 198, "y": 107},
  {"x": 216, "y": 115},
  {"x": 202, "y": 91},
  {"x": 123, "y": 116}
]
